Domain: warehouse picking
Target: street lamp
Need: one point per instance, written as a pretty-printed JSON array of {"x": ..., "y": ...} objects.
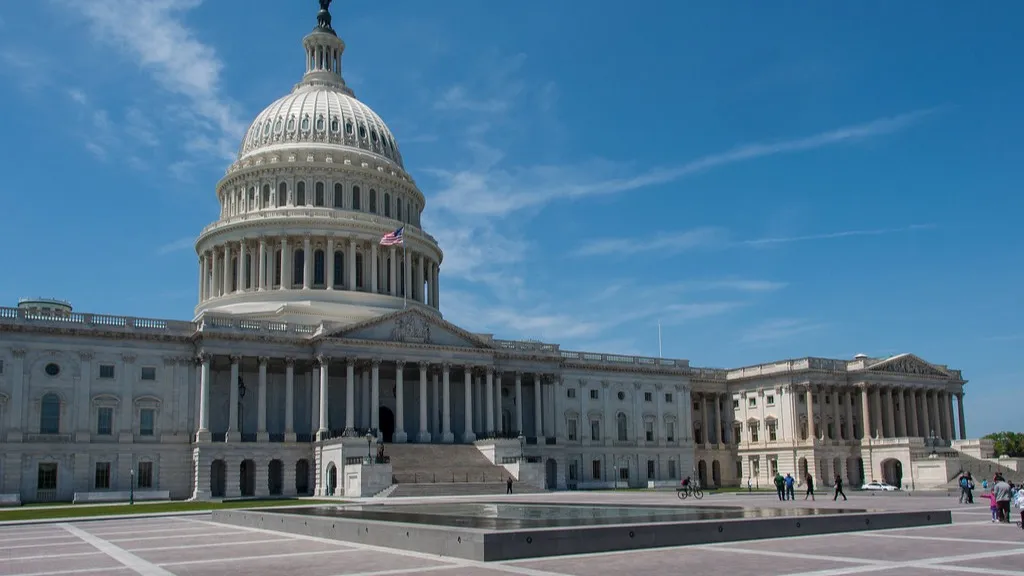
[
  {"x": 522, "y": 446},
  {"x": 933, "y": 440},
  {"x": 369, "y": 444},
  {"x": 131, "y": 486}
]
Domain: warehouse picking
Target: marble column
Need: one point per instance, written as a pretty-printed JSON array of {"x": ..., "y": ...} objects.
[
  {"x": 479, "y": 415},
  {"x": 915, "y": 429},
  {"x": 400, "y": 435},
  {"x": 848, "y": 429},
  {"x": 350, "y": 280},
  {"x": 261, "y": 282},
  {"x": 499, "y": 422},
  {"x": 393, "y": 271},
  {"x": 468, "y": 436},
  {"x": 243, "y": 273},
  {"x": 809, "y": 395},
  {"x": 365, "y": 399},
  {"x": 951, "y": 418},
  {"x": 289, "y": 399},
  {"x": 286, "y": 267},
  {"x": 325, "y": 363},
  {"x": 261, "y": 402},
  {"x": 214, "y": 290},
  {"x": 704, "y": 428},
  {"x": 489, "y": 403},
  {"x": 960, "y": 415},
  {"x": 232, "y": 433},
  {"x": 329, "y": 264},
  {"x": 203, "y": 433},
  {"x": 375, "y": 396},
  {"x": 538, "y": 413},
  {"x": 837, "y": 425},
  {"x": 942, "y": 403},
  {"x": 446, "y": 407},
  {"x": 202, "y": 277},
  {"x": 435, "y": 392},
  {"x": 375, "y": 272},
  {"x": 865, "y": 407},
  {"x": 519, "y": 404},
  {"x": 307, "y": 262},
  {"x": 901, "y": 422},
  {"x": 877, "y": 414},
  {"x": 890, "y": 416},
  {"x": 226, "y": 289},
  {"x": 350, "y": 395},
  {"x": 933, "y": 413},
  {"x": 926, "y": 415},
  {"x": 424, "y": 433}
]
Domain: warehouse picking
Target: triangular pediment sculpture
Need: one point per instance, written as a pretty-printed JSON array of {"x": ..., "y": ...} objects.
[
  {"x": 907, "y": 364},
  {"x": 412, "y": 327}
]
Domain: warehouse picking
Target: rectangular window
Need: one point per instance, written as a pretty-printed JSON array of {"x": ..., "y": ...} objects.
[
  {"x": 103, "y": 476},
  {"x": 570, "y": 429},
  {"x": 573, "y": 471},
  {"x": 828, "y": 399},
  {"x": 649, "y": 431},
  {"x": 146, "y": 419},
  {"x": 670, "y": 431},
  {"x": 672, "y": 472},
  {"x": 755, "y": 467},
  {"x": 650, "y": 469},
  {"x": 735, "y": 404},
  {"x": 624, "y": 473},
  {"x": 648, "y": 397},
  {"x": 148, "y": 373},
  {"x": 46, "y": 476},
  {"x": 105, "y": 421},
  {"x": 144, "y": 476},
  {"x": 1, "y": 366},
  {"x": 593, "y": 394},
  {"x": 696, "y": 405},
  {"x": 772, "y": 434},
  {"x": 769, "y": 400},
  {"x": 106, "y": 370},
  {"x": 595, "y": 469},
  {"x": 595, "y": 430},
  {"x": 668, "y": 397},
  {"x": 753, "y": 433},
  {"x": 752, "y": 402},
  {"x": 570, "y": 393},
  {"x": 774, "y": 465}
]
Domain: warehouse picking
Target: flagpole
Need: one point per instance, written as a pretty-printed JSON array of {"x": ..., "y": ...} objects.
[
  {"x": 405, "y": 271},
  {"x": 659, "y": 339}
]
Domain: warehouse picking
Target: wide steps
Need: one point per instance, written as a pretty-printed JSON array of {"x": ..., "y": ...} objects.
[
  {"x": 458, "y": 489},
  {"x": 442, "y": 463}
]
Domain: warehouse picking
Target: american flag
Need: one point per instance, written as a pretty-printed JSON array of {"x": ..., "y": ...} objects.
[{"x": 392, "y": 238}]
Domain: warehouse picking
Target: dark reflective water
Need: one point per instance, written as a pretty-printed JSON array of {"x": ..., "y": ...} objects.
[{"x": 508, "y": 516}]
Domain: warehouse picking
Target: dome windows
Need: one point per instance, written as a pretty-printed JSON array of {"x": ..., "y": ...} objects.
[
  {"x": 398, "y": 209},
  {"x": 291, "y": 124},
  {"x": 348, "y": 128},
  {"x": 305, "y": 123},
  {"x": 362, "y": 132},
  {"x": 373, "y": 201},
  {"x": 300, "y": 193},
  {"x": 318, "y": 195},
  {"x": 339, "y": 196},
  {"x": 387, "y": 205},
  {"x": 320, "y": 125},
  {"x": 282, "y": 194},
  {"x": 278, "y": 125},
  {"x": 335, "y": 125},
  {"x": 373, "y": 136},
  {"x": 266, "y": 128},
  {"x": 355, "y": 198}
]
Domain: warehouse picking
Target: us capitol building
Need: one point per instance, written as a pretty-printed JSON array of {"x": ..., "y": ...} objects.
[{"x": 313, "y": 343}]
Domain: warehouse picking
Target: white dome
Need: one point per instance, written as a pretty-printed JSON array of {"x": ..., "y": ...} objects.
[{"x": 321, "y": 115}]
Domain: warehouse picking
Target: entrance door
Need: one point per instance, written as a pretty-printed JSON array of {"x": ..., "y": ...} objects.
[
  {"x": 551, "y": 474},
  {"x": 387, "y": 423}
]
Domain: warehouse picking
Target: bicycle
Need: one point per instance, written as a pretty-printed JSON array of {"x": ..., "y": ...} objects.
[{"x": 684, "y": 491}]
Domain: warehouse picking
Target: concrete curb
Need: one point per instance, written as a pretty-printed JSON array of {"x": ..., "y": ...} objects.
[{"x": 103, "y": 517}]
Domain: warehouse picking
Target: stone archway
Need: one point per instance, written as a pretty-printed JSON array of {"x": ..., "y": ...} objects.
[
  {"x": 218, "y": 478},
  {"x": 387, "y": 424},
  {"x": 275, "y": 477},
  {"x": 247, "y": 478},
  {"x": 702, "y": 473},
  {"x": 892, "y": 472},
  {"x": 332, "y": 480},
  {"x": 716, "y": 474},
  {"x": 551, "y": 474},
  {"x": 302, "y": 477}
]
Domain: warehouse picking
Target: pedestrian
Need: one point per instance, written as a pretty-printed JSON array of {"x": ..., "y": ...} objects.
[
  {"x": 992, "y": 506},
  {"x": 780, "y": 486},
  {"x": 839, "y": 489},
  {"x": 790, "y": 482},
  {"x": 1002, "y": 493},
  {"x": 508, "y": 485},
  {"x": 809, "y": 480}
]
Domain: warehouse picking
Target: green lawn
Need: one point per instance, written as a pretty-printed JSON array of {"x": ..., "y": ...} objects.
[{"x": 47, "y": 512}]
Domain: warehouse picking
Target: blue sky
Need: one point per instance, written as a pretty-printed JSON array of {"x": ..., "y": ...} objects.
[{"x": 767, "y": 179}]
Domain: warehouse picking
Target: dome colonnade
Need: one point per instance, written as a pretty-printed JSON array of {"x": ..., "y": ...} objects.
[{"x": 318, "y": 181}]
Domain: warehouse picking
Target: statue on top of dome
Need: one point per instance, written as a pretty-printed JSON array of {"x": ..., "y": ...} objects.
[{"x": 323, "y": 18}]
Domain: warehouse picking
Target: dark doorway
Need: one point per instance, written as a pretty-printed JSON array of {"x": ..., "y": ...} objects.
[
  {"x": 218, "y": 478},
  {"x": 247, "y": 478},
  {"x": 302, "y": 477},
  {"x": 387, "y": 423},
  {"x": 275, "y": 477},
  {"x": 551, "y": 474}
]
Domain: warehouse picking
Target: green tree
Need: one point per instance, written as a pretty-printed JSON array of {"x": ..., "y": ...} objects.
[{"x": 1008, "y": 443}]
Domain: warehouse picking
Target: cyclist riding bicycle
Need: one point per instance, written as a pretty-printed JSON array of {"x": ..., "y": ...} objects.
[{"x": 686, "y": 482}]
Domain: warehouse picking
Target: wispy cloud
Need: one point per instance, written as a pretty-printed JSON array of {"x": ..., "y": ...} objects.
[
  {"x": 178, "y": 245},
  {"x": 155, "y": 36},
  {"x": 499, "y": 192},
  {"x": 718, "y": 238},
  {"x": 778, "y": 330}
]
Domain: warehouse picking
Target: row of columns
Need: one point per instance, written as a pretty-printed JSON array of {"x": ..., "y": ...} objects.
[
  {"x": 722, "y": 404},
  {"x": 925, "y": 412},
  {"x": 486, "y": 418},
  {"x": 223, "y": 270}
]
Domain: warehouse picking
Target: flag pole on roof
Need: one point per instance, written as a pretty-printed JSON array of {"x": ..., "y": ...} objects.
[{"x": 392, "y": 239}]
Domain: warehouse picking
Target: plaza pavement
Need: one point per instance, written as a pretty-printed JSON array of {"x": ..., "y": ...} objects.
[{"x": 196, "y": 546}]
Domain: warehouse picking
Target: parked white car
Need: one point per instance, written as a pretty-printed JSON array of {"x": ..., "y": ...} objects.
[{"x": 878, "y": 486}]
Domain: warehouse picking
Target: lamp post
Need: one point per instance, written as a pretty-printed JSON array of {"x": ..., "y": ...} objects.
[
  {"x": 522, "y": 447},
  {"x": 369, "y": 445},
  {"x": 131, "y": 486},
  {"x": 933, "y": 440}
]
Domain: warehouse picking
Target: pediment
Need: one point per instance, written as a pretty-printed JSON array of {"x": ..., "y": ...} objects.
[
  {"x": 411, "y": 327},
  {"x": 907, "y": 364}
]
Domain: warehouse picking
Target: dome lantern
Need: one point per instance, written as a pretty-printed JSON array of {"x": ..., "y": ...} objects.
[{"x": 323, "y": 54}]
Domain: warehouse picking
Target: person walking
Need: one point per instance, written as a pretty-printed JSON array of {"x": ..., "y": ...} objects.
[
  {"x": 508, "y": 485},
  {"x": 1002, "y": 491},
  {"x": 809, "y": 480},
  {"x": 839, "y": 489},
  {"x": 790, "y": 481},
  {"x": 780, "y": 486}
]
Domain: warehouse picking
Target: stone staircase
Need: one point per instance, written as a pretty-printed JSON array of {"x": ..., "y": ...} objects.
[
  {"x": 981, "y": 469},
  {"x": 445, "y": 470}
]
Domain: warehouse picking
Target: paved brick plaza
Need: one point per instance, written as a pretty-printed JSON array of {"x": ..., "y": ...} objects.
[{"x": 196, "y": 546}]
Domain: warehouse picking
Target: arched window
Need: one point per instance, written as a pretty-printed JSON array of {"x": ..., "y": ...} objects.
[
  {"x": 49, "y": 414},
  {"x": 408, "y": 212},
  {"x": 247, "y": 271},
  {"x": 277, "y": 267},
  {"x": 339, "y": 268},
  {"x": 299, "y": 267},
  {"x": 387, "y": 205},
  {"x": 398, "y": 207},
  {"x": 234, "y": 274},
  {"x": 318, "y": 267},
  {"x": 359, "y": 269},
  {"x": 300, "y": 194},
  {"x": 282, "y": 194},
  {"x": 401, "y": 279},
  {"x": 620, "y": 424},
  {"x": 387, "y": 275},
  {"x": 265, "y": 201},
  {"x": 253, "y": 199},
  {"x": 318, "y": 197},
  {"x": 339, "y": 196},
  {"x": 373, "y": 201},
  {"x": 355, "y": 198}
]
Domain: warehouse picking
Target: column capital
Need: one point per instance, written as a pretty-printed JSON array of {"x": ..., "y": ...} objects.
[
  {"x": 658, "y": 385},
  {"x": 424, "y": 365},
  {"x": 263, "y": 360},
  {"x": 128, "y": 358},
  {"x": 84, "y": 356},
  {"x": 637, "y": 385},
  {"x": 289, "y": 361},
  {"x": 605, "y": 384},
  {"x": 322, "y": 359},
  {"x": 375, "y": 362},
  {"x": 445, "y": 366},
  {"x": 184, "y": 361},
  {"x": 18, "y": 352},
  {"x": 519, "y": 374},
  {"x": 400, "y": 364},
  {"x": 679, "y": 387},
  {"x": 203, "y": 357},
  {"x": 351, "y": 361},
  {"x": 168, "y": 360},
  {"x": 235, "y": 358},
  {"x": 498, "y": 374}
]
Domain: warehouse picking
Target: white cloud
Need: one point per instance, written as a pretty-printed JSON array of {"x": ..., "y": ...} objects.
[
  {"x": 502, "y": 191},
  {"x": 778, "y": 330},
  {"x": 672, "y": 242},
  {"x": 155, "y": 36},
  {"x": 178, "y": 245}
]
